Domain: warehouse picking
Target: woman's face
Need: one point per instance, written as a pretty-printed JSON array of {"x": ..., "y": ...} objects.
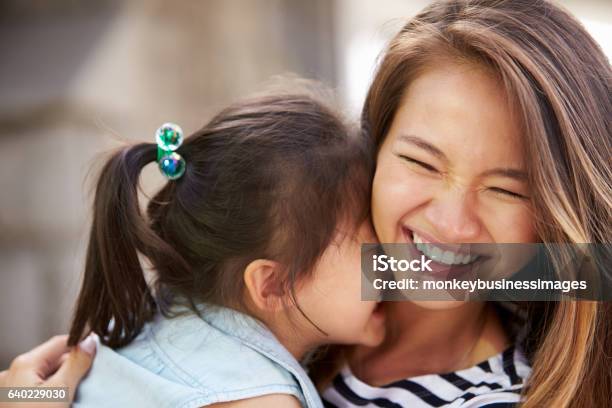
[{"x": 451, "y": 167}]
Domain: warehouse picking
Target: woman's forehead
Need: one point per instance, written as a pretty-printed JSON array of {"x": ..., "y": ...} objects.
[{"x": 458, "y": 108}]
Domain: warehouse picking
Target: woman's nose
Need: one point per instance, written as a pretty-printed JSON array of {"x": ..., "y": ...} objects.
[{"x": 453, "y": 215}]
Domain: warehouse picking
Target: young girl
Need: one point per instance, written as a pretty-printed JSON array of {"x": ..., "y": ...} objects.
[{"x": 256, "y": 253}]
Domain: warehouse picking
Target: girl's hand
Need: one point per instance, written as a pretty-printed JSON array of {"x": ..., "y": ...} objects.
[{"x": 51, "y": 364}]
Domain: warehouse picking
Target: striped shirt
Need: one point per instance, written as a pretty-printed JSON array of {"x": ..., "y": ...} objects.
[{"x": 494, "y": 383}]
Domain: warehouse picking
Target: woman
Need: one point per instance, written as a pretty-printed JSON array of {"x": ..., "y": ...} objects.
[{"x": 491, "y": 124}]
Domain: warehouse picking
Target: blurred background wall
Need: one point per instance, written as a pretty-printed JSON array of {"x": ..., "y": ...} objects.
[{"x": 78, "y": 76}]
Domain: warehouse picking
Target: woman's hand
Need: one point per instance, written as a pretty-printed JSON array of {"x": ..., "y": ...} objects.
[{"x": 51, "y": 364}]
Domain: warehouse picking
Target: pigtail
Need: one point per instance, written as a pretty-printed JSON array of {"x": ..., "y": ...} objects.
[{"x": 115, "y": 301}]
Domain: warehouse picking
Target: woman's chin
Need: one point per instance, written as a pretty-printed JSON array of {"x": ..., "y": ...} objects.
[{"x": 439, "y": 304}]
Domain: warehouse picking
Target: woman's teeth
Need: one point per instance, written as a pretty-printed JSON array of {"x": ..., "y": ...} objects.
[{"x": 439, "y": 255}]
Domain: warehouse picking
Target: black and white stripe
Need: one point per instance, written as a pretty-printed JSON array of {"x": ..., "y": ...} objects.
[{"x": 494, "y": 383}]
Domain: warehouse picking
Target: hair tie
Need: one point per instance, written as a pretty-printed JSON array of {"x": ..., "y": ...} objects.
[{"x": 169, "y": 137}]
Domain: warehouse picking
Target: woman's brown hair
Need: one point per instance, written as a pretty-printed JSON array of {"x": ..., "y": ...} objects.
[
  {"x": 269, "y": 177},
  {"x": 557, "y": 80}
]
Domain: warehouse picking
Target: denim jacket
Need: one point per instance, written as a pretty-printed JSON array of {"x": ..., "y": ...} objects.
[{"x": 192, "y": 361}]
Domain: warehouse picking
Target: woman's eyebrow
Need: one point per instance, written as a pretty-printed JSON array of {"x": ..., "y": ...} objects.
[
  {"x": 516, "y": 174},
  {"x": 423, "y": 144}
]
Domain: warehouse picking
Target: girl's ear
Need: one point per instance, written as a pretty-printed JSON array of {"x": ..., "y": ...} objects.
[{"x": 264, "y": 283}]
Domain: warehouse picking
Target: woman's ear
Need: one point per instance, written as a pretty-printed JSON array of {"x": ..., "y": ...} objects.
[{"x": 264, "y": 283}]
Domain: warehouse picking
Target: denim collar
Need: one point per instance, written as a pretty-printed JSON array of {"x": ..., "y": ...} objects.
[{"x": 254, "y": 334}]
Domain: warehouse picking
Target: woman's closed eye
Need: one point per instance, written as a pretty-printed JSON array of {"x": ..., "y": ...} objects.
[
  {"x": 507, "y": 193},
  {"x": 419, "y": 163}
]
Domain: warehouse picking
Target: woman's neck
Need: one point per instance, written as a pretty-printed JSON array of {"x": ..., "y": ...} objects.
[
  {"x": 418, "y": 327},
  {"x": 423, "y": 341}
]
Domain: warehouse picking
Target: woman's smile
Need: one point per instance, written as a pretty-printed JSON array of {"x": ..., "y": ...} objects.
[{"x": 445, "y": 261}]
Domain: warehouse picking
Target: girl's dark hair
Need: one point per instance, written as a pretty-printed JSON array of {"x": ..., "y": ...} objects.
[{"x": 270, "y": 177}]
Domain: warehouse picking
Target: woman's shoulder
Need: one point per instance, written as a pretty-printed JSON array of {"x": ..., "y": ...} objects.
[{"x": 497, "y": 380}]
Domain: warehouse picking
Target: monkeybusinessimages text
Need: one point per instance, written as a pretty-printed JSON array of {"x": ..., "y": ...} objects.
[{"x": 384, "y": 263}]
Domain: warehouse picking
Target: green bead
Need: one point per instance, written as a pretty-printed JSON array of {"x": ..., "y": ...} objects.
[{"x": 169, "y": 137}]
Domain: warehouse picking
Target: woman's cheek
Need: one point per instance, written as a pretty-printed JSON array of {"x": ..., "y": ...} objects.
[
  {"x": 510, "y": 223},
  {"x": 396, "y": 193},
  {"x": 523, "y": 228}
]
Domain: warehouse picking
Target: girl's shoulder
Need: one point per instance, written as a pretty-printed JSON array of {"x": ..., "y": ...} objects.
[
  {"x": 495, "y": 382},
  {"x": 194, "y": 360}
]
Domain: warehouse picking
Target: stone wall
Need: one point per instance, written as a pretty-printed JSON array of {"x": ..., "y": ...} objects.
[{"x": 79, "y": 77}]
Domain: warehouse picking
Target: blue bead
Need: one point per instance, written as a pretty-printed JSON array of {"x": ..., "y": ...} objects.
[{"x": 172, "y": 166}]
